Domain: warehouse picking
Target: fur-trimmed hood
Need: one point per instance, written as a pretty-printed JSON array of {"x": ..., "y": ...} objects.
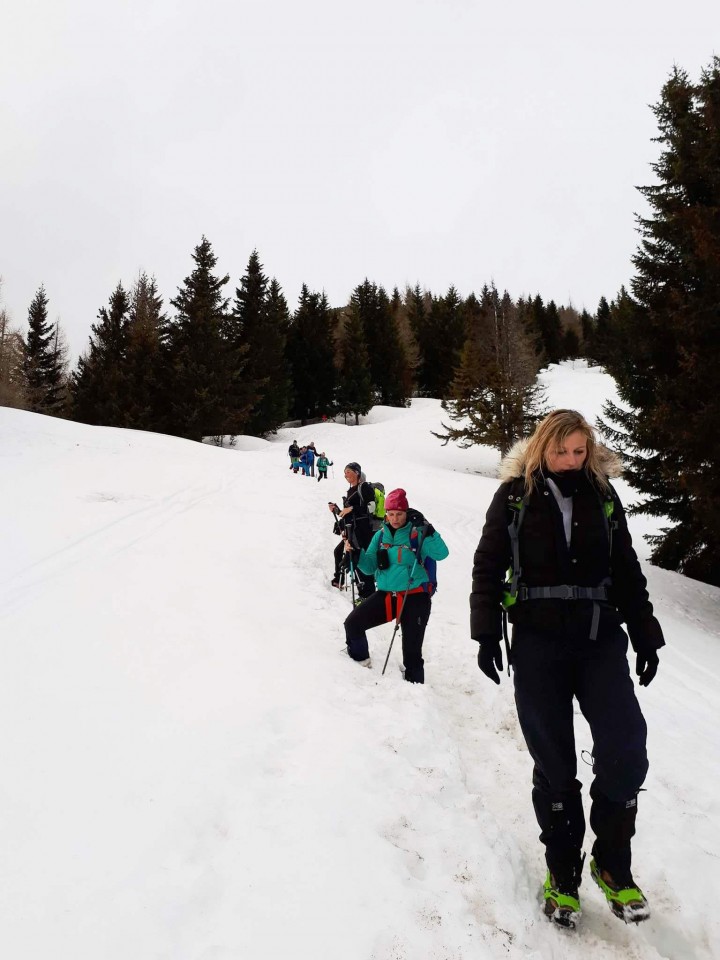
[{"x": 513, "y": 463}]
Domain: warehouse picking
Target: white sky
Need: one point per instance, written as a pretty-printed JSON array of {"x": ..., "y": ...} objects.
[
  {"x": 406, "y": 140},
  {"x": 192, "y": 770}
]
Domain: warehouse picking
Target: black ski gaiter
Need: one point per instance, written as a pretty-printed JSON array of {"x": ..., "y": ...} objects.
[{"x": 568, "y": 481}]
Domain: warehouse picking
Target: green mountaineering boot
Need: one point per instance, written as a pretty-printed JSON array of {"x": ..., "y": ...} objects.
[
  {"x": 626, "y": 902},
  {"x": 560, "y": 902}
]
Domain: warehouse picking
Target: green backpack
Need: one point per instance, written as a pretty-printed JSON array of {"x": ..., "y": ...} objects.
[{"x": 379, "y": 489}]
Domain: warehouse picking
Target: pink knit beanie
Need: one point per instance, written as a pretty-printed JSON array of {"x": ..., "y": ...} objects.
[{"x": 396, "y": 500}]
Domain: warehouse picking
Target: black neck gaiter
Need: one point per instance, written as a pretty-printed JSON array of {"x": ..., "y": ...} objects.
[{"x": 568, "y": 481}]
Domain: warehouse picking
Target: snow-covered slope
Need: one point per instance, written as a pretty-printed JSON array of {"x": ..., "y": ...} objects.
[{"x": 192, "y": 770}]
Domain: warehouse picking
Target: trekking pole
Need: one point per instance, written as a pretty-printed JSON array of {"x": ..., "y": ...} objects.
[
  {"x": 402, "y": 611},
  {"x": 352, "y": 578}
]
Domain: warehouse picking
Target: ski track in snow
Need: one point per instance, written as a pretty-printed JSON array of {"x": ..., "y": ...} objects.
[{"x": 198, "y": 771}]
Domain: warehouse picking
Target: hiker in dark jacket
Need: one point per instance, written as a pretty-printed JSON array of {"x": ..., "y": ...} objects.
[
  {"x": 559, "y": 524},
  {"x": 396, "y": 559},
  {"x": 294, "y": 454},
  {"x": 353, "y": 524}
]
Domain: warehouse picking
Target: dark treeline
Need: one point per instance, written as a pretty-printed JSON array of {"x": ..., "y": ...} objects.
[{"x": 209, "y": 364}]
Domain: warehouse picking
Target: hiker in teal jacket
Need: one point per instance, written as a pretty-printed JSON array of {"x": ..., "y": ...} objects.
[
  {"x": 396, "y": 577},
  {"x": 322, "y": 465},
  {"x": 404, "y": 587}
]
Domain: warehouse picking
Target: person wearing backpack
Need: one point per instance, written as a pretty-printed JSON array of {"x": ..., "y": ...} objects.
[
  {"x": 353, "y": 524},
  {"x": 557, "y": 522},
  {"x": 322, "y": 464},
  {"x": 377, "y": 510},
  {"x": 294, "y": 454},
  {"x": 398, "y": 556},
  {"x": 310, "y": 460}
]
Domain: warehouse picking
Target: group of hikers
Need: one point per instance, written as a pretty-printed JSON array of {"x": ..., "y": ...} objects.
[
  {"x": 387, "y": 551},
  {"x": 304, "y": 459},
  {"x": 556, "y": 560}
]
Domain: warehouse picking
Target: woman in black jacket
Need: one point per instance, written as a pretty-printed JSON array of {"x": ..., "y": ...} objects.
[
  {"x": 353, "y": 522},
  {"x": 558, "y": 523}
]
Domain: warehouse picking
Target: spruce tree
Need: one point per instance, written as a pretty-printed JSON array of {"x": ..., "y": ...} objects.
[
  {"x": 204, "y": 366},
  {"x": 146, "y": 398},
  {"x": 399, "y": 307},
  {"x": 278, "y": 316},
  {"x": 59, "y": 379},
  {"x": 614, "y": 331},
  {"x": 532, "y": 314},
  {"x": 552, "y": 333},
  {"x": 418, "y": 312},
  {"x": 669, "y": 419},
  {"x": 354, "y": 393},
  {"x": 444, "y": 339},
  {"x": 600, "y": 344},
  {"x": 97, "y": 388},
  {"x": 495, "y": 398},
  {"x": 262, "y": 331},
  {"x": 389, "y": 368},
  {"x": 43, "y": 365},
  {"x": 586, "y": 327},
  {"x": 310, "y": 357}
]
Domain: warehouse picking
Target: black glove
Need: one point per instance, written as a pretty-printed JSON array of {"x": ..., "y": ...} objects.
[
  {"x": 646, "y": 637},
  {"x": 646, "y": 666},
  {"x": 490, "y": 657}
]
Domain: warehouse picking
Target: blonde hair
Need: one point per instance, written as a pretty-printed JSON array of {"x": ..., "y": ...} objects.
[{"x": 552, "y": 432}]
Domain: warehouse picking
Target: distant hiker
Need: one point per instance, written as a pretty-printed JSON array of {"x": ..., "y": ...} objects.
[
  {"x": 560, "y": 526},
  {"x": 354, "y": 525},
  {"x": 322, "y": 465},
  {"x": 293, "y": 453},
  {"x": 305, "y": 466},
  {"x": 310, "y": 454},
  {"x": 397, "y": 557}
]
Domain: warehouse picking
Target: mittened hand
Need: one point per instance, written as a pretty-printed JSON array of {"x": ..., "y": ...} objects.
[
  {"x": 646, "y": 666},
  {"x": 490, "y": 657}
]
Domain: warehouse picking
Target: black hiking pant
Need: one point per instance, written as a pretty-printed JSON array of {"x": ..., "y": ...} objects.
[
  {"x": 549, "y": 672},
  {"x": 382, "y": 607}
]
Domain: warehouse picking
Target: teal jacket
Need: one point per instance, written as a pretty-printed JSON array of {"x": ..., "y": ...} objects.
[
  {"x": 396, "y": 579},
  {"x": 323, "y": 463}
]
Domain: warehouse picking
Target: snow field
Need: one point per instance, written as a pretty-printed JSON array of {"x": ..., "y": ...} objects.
[{"x": 193, "y": 770}]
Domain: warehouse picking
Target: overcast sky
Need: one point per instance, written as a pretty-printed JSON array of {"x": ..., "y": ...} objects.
[{"x": 410, "y": 141}]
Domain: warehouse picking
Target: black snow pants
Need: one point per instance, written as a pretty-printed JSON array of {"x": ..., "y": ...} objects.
[
  {"x": 550, "y": 671},
  {"x": 382, "y": 607}
]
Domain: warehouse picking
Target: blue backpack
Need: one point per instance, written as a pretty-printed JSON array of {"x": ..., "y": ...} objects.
[{"x": 417, "y": 535}]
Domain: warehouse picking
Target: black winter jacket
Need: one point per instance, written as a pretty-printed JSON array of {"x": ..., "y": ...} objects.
[
  {"x": 358, "y": 522},
  {"x": 546, "y": 560}
]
